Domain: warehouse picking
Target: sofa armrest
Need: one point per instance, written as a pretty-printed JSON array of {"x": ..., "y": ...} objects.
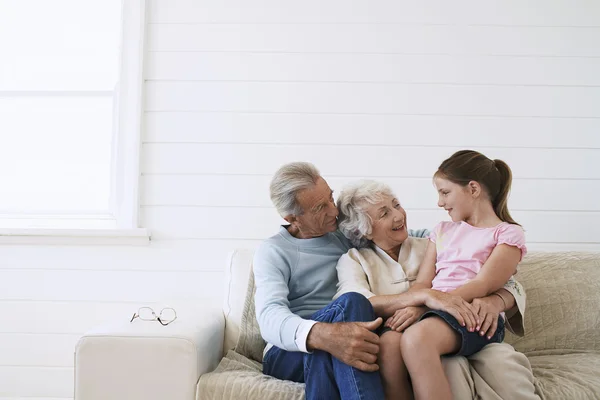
[
  {"x": 145, "y": 360},
  {"x": 211, "y": 332}
]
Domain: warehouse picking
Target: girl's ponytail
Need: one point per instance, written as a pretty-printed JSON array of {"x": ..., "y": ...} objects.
[{"x": 500, "y": 202}]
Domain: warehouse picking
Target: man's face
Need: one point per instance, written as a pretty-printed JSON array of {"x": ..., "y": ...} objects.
[{"x": 320, "y": 213}]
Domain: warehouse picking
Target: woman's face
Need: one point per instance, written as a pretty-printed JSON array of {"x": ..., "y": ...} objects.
[{"x": 388, "y": 222}]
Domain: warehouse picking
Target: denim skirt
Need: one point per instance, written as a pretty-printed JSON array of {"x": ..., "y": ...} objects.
[{"x": 471, "y": 342}]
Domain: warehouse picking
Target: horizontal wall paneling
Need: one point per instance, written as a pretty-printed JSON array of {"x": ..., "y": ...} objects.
[
  {"x": 41, "y": 317},
  {"x": 373, "y": 161},
  {"x": 399, "y": 68},
  {"x": 162, "y": 255},
  {"x": 113, "y": 286},
  {"x": 377, "y": 38},
  {"x": 361, "y": 129},
  {"x": 42, "y": 382},
  {"x": 507, "y": 12},
  {"x": 40, "y": 350},
  {"x": 374, "y": 98}
]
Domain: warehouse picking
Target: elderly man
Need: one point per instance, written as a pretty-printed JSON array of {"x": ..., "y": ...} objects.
[{"x": 330, "y": 346}]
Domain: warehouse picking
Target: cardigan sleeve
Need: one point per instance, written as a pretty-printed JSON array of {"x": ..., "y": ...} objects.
[
  {"x": 352, "y": 276},
  {"x": 515, "y": 322}
]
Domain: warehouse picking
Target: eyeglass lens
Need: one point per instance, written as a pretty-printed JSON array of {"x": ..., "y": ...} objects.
[
  {"x": 146, "y": 314},
  {"x": 167, "y": 315}
]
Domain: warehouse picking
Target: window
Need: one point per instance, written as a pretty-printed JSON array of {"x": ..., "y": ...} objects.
[{"x": 70, "y": 112}]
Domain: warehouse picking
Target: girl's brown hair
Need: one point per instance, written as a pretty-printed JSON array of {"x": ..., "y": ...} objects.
[{"x": 494, "y": 175}]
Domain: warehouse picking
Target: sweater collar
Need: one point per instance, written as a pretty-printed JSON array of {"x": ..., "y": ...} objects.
[{"x": 311, "y": 242}]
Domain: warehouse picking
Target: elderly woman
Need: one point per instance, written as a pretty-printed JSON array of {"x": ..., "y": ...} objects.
[{"x": 382, "y": 268}]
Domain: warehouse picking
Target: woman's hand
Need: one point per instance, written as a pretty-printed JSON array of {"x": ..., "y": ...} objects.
[
  {"x": 404, "y": 317},
  {"x": 488, "y": 309},
  {"x": 454, "y": 305}
]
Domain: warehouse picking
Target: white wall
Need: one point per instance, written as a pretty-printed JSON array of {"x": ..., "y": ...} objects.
[{"x": 387, "y": 90}]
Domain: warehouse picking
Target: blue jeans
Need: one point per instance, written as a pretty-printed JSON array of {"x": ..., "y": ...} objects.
[{"x": 325, "y": 376}]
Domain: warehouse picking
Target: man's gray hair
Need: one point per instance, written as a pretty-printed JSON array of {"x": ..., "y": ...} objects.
[
  {"x": 353, "y": 202},
  {"x": 288, "y": 181}
]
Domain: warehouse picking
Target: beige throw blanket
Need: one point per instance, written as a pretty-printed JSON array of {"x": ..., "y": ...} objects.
[{"x": 239, "y": 374}]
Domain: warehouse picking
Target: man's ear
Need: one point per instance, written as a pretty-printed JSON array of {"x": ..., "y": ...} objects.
[
  {"x": 290, "y": 219},
  {"x": 474, "y": 188}
]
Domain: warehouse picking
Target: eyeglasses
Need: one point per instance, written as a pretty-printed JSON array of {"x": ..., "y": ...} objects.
[{"x": 165, "y": 317}]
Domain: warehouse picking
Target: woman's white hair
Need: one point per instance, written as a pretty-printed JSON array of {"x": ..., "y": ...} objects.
[
  {"x": 353, "y": 202},
  {"x": 287, "y": 182}
]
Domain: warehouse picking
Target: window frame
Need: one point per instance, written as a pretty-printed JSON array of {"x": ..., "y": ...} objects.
[{"x": 125, "y": 157}]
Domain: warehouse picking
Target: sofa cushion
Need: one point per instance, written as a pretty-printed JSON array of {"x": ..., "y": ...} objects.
[
  {"x": 236, "y": 377},
  {"x": 566, "y": 376},
  {"x": 563, "y": 299}
]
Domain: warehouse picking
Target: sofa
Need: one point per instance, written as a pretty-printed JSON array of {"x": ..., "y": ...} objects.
[{"x": 216, "y": 354}]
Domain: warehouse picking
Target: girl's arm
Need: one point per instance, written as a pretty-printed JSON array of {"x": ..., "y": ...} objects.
[
  {"x": 489, "y": 308},
  {"x": 514, "y": 294},
  {"x": 507, "y": 300},
  {"x": 495, "y": 272},
  {"x": 426, "y": 269}
]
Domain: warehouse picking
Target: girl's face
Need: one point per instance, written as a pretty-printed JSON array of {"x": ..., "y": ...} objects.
[
  {"x": 388, "y": 223},
  {"x": 454, "y": 198}
]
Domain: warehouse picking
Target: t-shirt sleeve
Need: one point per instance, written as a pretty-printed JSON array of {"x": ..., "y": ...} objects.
[
  {"x": 513, "y": 235},
  {"x": 435, "y": 232}
]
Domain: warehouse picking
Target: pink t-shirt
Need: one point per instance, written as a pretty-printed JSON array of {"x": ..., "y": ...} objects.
[{"x": 462, "y": 249}]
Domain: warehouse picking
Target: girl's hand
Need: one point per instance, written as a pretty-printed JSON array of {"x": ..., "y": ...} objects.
[
  {"x": 488, "y": 311},
  {"x": 404, "y": 317},
  {"x": 454, "y": 305}
]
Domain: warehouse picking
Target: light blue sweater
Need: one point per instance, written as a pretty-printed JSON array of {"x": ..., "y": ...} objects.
[{"x": 295, "y": 278}]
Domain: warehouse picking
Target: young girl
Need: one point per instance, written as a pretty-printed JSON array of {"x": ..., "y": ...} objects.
[{"x": 472, "y": 256}]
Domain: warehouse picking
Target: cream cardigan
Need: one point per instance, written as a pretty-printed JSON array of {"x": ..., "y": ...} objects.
[{"x": 371, "y": 271}]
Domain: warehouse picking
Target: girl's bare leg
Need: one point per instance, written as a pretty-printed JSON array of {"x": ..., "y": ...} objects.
[
  {"x": 422, "y": 346},
  {"x": 393, "y": 372}
]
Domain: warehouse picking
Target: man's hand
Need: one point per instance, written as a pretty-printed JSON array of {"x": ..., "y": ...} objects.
[
  {"x": 454, "y": 305},
  {"x": 353, "y": 343},
  {"x": 404, "y": 317},
  {"x": 488, "y": 309}
]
